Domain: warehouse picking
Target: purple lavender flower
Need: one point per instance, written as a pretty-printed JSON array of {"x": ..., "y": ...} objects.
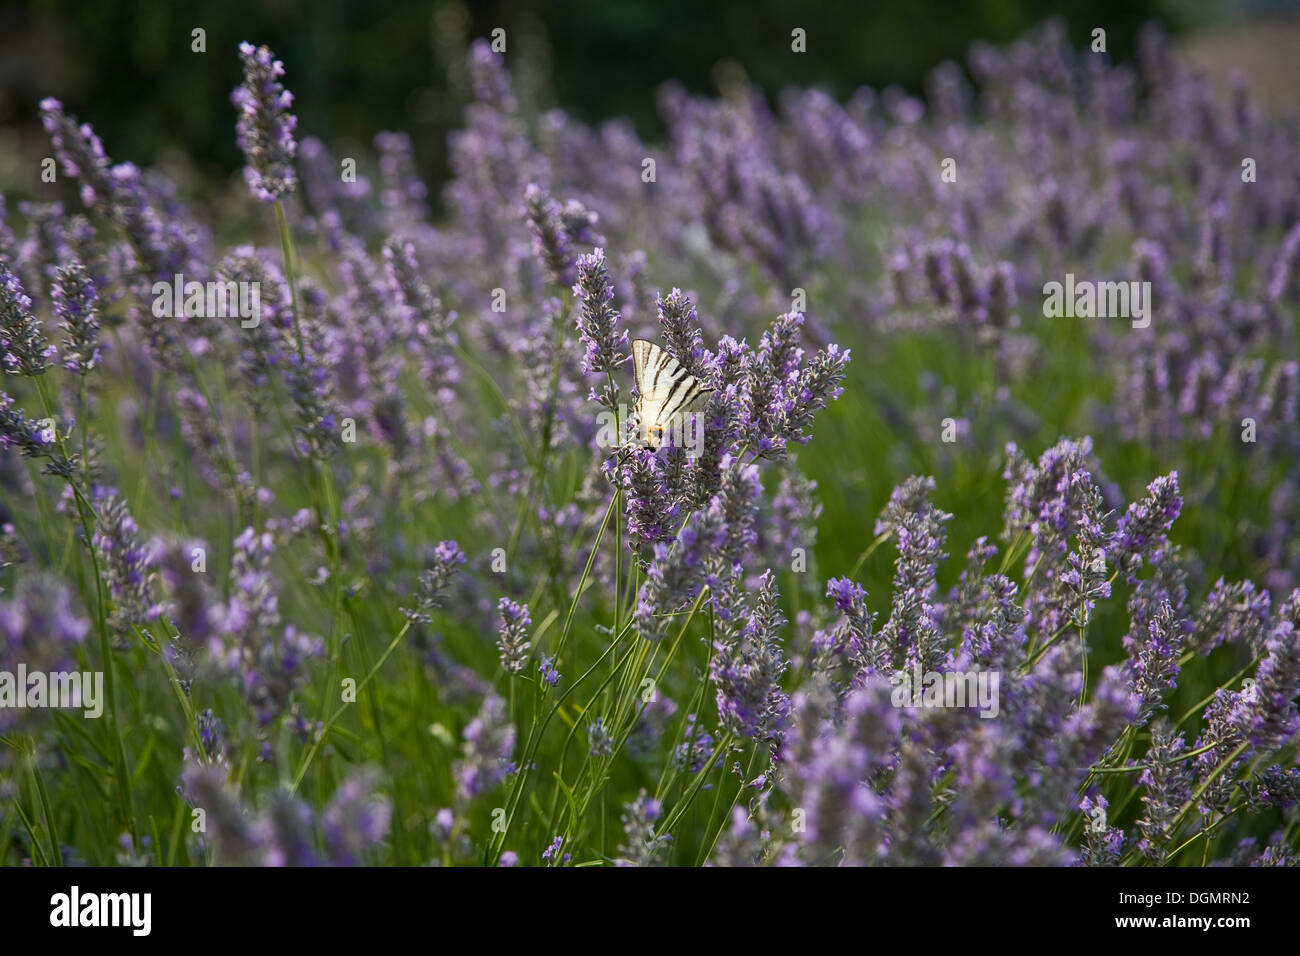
[
  {"x": 161, "y": 238},
  {"x": 161, "y": 242},
  {"x": 641, "y": 843},
  {"x": 296, "y": 349},
  {"x": 1103, "y": 843},
  {"x": 1285, "y": 267},
  {"x": 746, "y": 842},
  {"x": 80, "y": 153},
  {"x": 26, "y": 351},
  {"x": 127, "y": 565},
  {"x": 772, "y": 375},
  {"x": 600, "y": 742},
  {"x": 443, "y": 821},
  {"x": 425, "y": 317},
  {"x": 552, "y": 853},
  {"x": 434, "y": 580},
  {"x": 356, "y": 819},
  {"x": 849, "y": 646},
  {"x": 846, "y": 594},
  {"x": 747, "y": 671},
  {"x": 194, "y": 604},
  {"x": 695, "y": 749},
  {"x": 1168, "y": 787},
  {"x": 912, "y": 631},
  {"x": 1235, "y": 613},
  {"x": 76, "y": 304},
  {"x": 353, "y": 823},
  {"x": 555, "y": 229},
  {"x": 1268, "y": 715},
  {"x": 285, "y": 829},
  {"x": 489, "y": 743},
  {"x": 651, "y": 511},
  {"x": 41, "y": 627},
  {"x": 233, "y": 835},
  {"x": 1219, "y": 739},
  {"x": 830, "y": 770},
  {"x": 265, "y": 127},
  {"x": 39, "y": 620},
  {"x": 30, "y": 436},
  {"x": 793, "y": 522},
  {"x": 512, "y": 635},
  {"x": 675, "y": 573},
  {"x": 1276, "y": 787},
  {"x": 735, "y": 510},
  {"x": 1041, "y": 496},
  {"x": 1085, "y": 579},
  {"x": 597, "y": 319},
  {"x": 249, "y": 640},
  {"x": 1153, "y": 664},
  {"x": 681, "y": 331},
  {"x": 1141, "y": 534},
  {"x": 403, "y": 195},
  {"x": 649, "y": 731}
]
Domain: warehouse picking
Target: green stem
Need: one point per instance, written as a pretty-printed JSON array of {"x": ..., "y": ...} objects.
[
  {"x": 105, "y": 646},
  {"x": 693, "y": 790},
  {"x": 286, "y": 246},
  {"x": 56, "y": 858},
  {"x": 530, "y": 751},
  {"x": 666, "y": 778},
  {"x": 320, "y": 737},
  {"x": 722, "y": 824}
]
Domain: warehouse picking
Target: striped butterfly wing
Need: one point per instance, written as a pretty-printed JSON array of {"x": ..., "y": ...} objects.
[{"x": 666, "y": 391}]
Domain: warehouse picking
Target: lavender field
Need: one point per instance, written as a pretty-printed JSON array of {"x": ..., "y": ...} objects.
[{"x": 330, "y": 535}]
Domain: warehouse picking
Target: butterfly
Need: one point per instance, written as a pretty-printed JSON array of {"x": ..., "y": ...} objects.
[{"x": 666, "y": 393}]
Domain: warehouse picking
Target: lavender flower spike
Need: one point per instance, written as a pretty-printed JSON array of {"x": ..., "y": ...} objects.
[
  {"x": 598, "y": 320},
  {"x": 489, "y": 741},
  {"x": 680, "y": 324},
  {"x": 126, "y": 564},
  {"x": 265, "y": 127},
  {"x": 447, "y": 556},
  {"x": 512, "y": 635},
  {"x": 25, "y": 350},
  {"x": 76, "y": 302},
  {"x": 80, "y": 153}
]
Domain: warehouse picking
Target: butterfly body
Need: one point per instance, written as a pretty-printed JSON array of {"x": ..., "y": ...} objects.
[{"x": 667, "y": 394}]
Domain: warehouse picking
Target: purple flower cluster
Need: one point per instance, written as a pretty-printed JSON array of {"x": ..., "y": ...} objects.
[
  {"x": 127, "y": 564},
  {"x": 512, "y": 635},
  {"x": 877, "y": 780},
  {"x": 597, "y": 319},
  {"x": 76, "y": 302},
  {"x": 353, "y": 824},
  {"x": 747, "y": 669},
  {"x": 41, "y": 628},
  {"x": 26, "y": 351},
  {"x": 265, "y": 128},
  {"x": 640, "y": 842},
  {"x": 488, "y": 744}
]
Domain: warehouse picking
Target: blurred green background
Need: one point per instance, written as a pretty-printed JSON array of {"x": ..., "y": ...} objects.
[{"x": 357, "y": 67}]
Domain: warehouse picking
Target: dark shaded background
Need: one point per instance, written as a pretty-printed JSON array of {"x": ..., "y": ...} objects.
[{"x": 357, "y": 67}]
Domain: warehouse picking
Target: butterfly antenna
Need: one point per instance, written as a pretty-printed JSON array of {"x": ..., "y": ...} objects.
[{"x": 627, "y": 450}]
